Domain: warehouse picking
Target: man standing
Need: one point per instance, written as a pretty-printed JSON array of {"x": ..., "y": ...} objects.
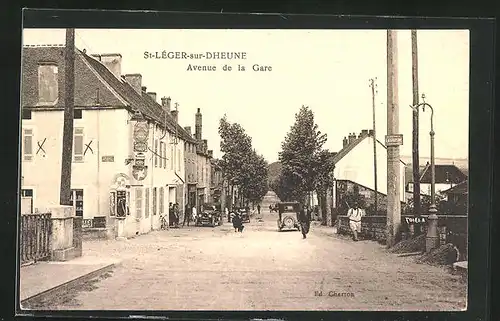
[
  {"x": 187, "y": 215},
  {"x": 304, "y": 221},
  {"x": 354, "y": 214},
  {"x": 258, "y": 208},
  {"x": 194, "y": 214}
]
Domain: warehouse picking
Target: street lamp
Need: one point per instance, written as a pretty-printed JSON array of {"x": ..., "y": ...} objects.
[{"x": 432, "y": 237}]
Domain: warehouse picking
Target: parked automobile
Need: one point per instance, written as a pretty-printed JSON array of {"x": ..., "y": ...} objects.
[
  {"x": 209, "y": 216},
  {"x": 288, "y": 216}
]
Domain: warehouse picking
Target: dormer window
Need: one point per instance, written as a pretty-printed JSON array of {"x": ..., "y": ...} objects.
[{"x": 48, "y": 85}]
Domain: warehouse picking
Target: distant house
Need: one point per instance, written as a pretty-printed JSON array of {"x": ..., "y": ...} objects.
[
  {"x": 354, "y": 164},
  {"x": 446, "y": 176}
]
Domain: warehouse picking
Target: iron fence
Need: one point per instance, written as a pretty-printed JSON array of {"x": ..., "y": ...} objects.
[{"x": 36, "y": 231}]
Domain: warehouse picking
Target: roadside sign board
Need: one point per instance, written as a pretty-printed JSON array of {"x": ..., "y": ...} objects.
[{"x": 394, "y": 140}]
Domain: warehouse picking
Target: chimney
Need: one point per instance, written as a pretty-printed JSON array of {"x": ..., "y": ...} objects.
[
  {"x": 351, "y": 138},
  {"x": 370, "y": 132},
  {"x": 364, "y": 132},
  {"x": 205, "y": 145},
  {"x": 152, "y": 95},
  {"x": 144, "y": 88},
  {"x": 165, "y": 103},
  {"x": 188, "y": 129},
  {"x": 113, "y": 61},
  {"x": 175, "y": 115},
  {"x": 198, "y": 121},
  {"x": 134, "y": 80},
  {"x": 344, "y": 142}
]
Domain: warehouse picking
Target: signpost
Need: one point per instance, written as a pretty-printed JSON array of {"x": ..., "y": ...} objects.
[{"x": 394, "y": 140}]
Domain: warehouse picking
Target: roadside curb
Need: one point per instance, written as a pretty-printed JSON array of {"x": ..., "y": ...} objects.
[{"x": 68, "y": 285}]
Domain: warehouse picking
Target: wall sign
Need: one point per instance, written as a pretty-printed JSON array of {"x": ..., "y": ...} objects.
[
  {"x": 393, "y": 140},
  {"x": 108, "y": 159}
]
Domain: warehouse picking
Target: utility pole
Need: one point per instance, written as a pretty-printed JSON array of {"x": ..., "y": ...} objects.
[
  {"x": 373, "y": 85},
  {"x": 69, "y": 102},
  {"x": 415, "y": 152},
  {"x": 393, "y": 140}
]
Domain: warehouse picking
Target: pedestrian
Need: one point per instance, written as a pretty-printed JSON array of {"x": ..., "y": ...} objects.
[
  {"x": 270, "y": 208},
  {"x": 226, "y": 212},
  {"x": 171, "y": 217},
  {"x": 176, "y": 214},
  {"x": 258, "y": 209},
  {"x": 236, "y": 219},
  {"x": 194, "y": 214},
  {"x": 355, "y": 214},
  {"x": 304, "y": 220},
  {"x": 187, "y": 215}
]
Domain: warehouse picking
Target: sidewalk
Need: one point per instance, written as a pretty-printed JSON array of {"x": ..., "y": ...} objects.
[{"x": 44, "y": 277}]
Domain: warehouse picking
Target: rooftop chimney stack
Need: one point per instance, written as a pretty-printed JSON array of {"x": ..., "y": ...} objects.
[
  {"x": 351, "y": 138},
  {"x": 113, "y": 61},
  {"x": 198, "y": 125},
  {"x": 344, "y": 142},
  {"x": 152, "y": 95},
  {"x": 165, "y": 103},
  {"x": 144, "y": 89},
  {"x": 134, "y": 80},
  {"x": 175, "y": 115}
]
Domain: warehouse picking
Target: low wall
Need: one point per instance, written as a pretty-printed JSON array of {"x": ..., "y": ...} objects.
[{"x": 451, "y": 228}]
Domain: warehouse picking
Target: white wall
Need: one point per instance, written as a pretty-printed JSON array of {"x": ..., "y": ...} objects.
[
  {"x": 108, "y": 131},
  {"x": 357, "y": 166}
]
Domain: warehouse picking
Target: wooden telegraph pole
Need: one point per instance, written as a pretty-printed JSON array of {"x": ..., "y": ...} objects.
[
  {"x": 415, "y": 152},
  {"x": 69, "y": 102},
  {"x": 373, "y": 85},
  {"x": 393, "y": 141}
]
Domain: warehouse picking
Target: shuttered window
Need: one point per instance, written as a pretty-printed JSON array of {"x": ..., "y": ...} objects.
[
  {"x": 156, "y": 153},
  {"x": 155, "y": 206},
  {"x": 138, "y": 202},
  {"x": 146, "y": 202},
  {"x": 161, "y": 200},
  {"x": 28, "y": 145},
  {"x": 78, "y": 145},
  {"x": 165, "y": 155}
]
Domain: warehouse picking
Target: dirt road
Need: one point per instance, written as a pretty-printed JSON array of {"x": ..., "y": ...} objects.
[{"x": 203, "y": 268}]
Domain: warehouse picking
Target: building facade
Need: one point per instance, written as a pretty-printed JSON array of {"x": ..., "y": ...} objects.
[
  {"x": 354, "y": 164},
  {"x": 104, "y": 185}
]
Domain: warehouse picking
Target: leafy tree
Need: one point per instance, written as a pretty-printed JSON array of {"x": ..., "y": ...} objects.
[
  {"x": 323, "y": 167},
  {"x": 241, "y": 165},
  {"x": 300, "y": 157}
]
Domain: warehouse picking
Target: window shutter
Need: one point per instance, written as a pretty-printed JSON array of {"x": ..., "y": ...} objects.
[
  {"x": 138, "y": 202},
  {"x": 28, "y": 145},
  {"x": 156, "y": 153},
  {"x": 165, "y": 155},
  {"x": 78, "y": 145},
  {"x": 146, "y": 203}
]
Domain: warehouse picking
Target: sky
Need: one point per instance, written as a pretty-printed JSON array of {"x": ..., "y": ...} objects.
[{"x": 327, "y": 70}]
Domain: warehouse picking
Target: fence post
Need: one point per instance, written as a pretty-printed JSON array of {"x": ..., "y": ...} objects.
[{"x": 62, "y": 248}]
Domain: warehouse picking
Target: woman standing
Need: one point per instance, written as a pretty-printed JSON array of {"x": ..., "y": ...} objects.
[{"x": 304, "y": 221}]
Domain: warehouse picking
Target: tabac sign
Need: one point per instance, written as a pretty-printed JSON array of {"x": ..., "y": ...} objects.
[
  {"x": 140, "y": 142},
  {"x": 394, "y": 140}
]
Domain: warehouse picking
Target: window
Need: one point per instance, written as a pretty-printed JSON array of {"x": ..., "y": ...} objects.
[
  {"x": 161, "y": 200},
  {"x": 28, "y": 193},
  {"x": 78, "y": 145},
  {"x": 28, "y": 145},
  {"x": 172, "y": 157},
  {"x": 48, "y": 90},
  {"x": 77, "y": 114},
  {"x": 156, "y": 153},
  {"x": 154, "y": 201},
  {"x": 160, "y": 152},
  {"x": 146, "y": 203},
  {"x": 26, "y": 113},
  {"x": 138, "y": 202},
  {"x": 165, "y": 155},
  {"x": 77, "y": 200}
]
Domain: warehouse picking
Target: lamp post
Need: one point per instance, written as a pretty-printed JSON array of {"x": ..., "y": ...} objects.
[{"x": 432, "y": 237}]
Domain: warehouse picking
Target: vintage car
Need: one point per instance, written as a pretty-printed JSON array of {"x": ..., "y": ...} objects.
[
  {"x": 209, "y": 216},
  {"x": 288, "y": 216}
]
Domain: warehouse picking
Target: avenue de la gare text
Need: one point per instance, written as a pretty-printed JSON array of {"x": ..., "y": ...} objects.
[{"x": 255, "y": 67}]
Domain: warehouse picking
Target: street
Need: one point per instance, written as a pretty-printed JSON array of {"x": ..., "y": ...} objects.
[{"x": 204, "y": 268}]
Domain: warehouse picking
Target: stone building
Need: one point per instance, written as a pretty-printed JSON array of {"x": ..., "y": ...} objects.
[{"x": 104, "y": 185}]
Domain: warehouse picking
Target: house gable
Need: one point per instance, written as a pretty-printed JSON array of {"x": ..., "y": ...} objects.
[
  {"x": 90, "y": 91},
  {"x": 444, "y": 174}
]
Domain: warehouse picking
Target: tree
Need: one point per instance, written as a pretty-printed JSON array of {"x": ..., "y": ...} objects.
[
  {"x": 300, "y": 157},
  {"x": 323, "y": 167},
  {"x": 241, "y": 165}
]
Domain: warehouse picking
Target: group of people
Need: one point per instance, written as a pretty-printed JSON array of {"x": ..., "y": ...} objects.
[{"x": 174, "y": 214}]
